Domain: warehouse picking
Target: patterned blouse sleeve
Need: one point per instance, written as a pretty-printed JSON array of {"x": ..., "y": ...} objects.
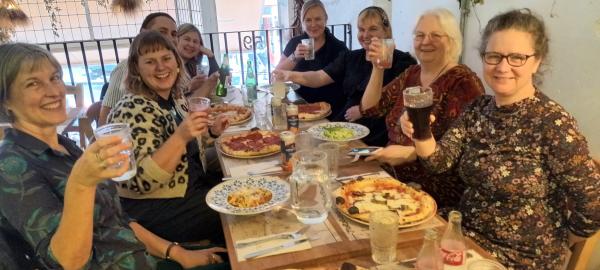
[
  {"x": 146, "y": 126},
  {"x": 29, "y": 205},
  {"x": 389, "y": 94},
  {"x": 574, "y": 171},
  {"x": 449, "y": 148}
]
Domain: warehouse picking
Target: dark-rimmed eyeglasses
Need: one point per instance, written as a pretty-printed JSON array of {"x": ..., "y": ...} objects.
[
  {"x": 434, "y": 36},
  {"x": 513, "y": 59}
]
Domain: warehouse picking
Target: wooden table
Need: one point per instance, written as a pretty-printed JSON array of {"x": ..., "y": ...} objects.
[{"x": 339, "y": 239}]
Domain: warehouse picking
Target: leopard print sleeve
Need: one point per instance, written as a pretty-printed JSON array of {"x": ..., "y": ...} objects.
[{"x": 151, "y": 127}]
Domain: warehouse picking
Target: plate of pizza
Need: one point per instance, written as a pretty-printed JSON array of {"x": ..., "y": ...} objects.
[
  {"x": 250, "y": 144},
  {"x": 236, "y": 114},
  {"x": 248, "y": 195},
  {"x": 313, "y": 111},
  {"x": 357, "y": 199}
]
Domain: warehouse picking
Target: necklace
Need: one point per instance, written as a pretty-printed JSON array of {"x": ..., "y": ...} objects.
[{"x": 439, "y": 73}]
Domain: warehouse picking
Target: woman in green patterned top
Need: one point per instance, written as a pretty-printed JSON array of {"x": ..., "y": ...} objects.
[{"x": 53, "y": 194}]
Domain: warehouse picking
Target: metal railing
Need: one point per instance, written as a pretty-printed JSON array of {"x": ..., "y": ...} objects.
[{"x": 90, "y": 61}]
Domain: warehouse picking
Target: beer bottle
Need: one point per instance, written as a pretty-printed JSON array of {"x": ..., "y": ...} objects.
[
  {"x": 293, "y": 122},
  {"x": 250, "y": 83},
  {"x": 453, "y": 246},
  {"x": 224, "y": 74},
  {"x": 288, "y": 148}
]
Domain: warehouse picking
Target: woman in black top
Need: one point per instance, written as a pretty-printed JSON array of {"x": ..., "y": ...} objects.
[
  {"x": 327, "y": 48},
  {"x": 353, "y": 71},
  {"x": 191, "y": 49}
]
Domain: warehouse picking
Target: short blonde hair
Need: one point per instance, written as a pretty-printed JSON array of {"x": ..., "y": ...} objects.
[
  {"x": 376, "y": 13},
  {"x": 450, "y": 27},
  {"x": 312, "y": 4},
  {"x": 188, "y": 27}
]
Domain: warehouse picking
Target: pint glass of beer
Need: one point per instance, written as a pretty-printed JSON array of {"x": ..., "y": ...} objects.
[{"x": 418, "y": 101}]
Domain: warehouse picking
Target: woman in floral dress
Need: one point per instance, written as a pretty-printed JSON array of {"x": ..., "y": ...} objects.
[{"x": 520, "y": 155}]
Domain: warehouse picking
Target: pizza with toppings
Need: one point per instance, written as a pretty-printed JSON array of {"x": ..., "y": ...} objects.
[
  {"x": 235, "y": 114},
  {"x": 357, "y": 199},
  {"x": 256, "y": 143},
  {"x": 313, "y": 111}
]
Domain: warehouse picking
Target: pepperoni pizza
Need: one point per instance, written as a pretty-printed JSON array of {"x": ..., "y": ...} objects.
[{"x": 250, "y": 144}]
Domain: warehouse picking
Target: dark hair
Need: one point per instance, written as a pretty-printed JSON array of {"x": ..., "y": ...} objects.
[
  {"x": 148, "y": 42},
  {"x": 522, "y": 20},
  {"x": 152, "y": 16},
  {"x": 16, "y": 58}
]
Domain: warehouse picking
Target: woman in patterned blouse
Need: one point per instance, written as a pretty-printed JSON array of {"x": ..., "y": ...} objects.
[
  {"x": 520, "y": 155},
  {"x": 53, "y": 195},
  {"x": 437, "y": 45}
]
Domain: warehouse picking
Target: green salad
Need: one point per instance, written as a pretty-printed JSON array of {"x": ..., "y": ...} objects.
[{"x": 338, "y": 133}]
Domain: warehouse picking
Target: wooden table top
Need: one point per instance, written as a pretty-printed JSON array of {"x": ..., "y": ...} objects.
[{"x": 333, "y": 242}]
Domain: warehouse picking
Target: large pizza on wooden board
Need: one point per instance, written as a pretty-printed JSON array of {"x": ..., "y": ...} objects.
[
  {"x": 235, "y": 114},
  {"x": 313, "y": 111},
  {"x": 357, "y": 199},
  {"x": 250, "y": 144}
]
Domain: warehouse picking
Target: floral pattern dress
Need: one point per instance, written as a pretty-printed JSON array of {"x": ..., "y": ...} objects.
[
  {"x": 453, "y": 90},
  {"x": 520, "y": 163}
]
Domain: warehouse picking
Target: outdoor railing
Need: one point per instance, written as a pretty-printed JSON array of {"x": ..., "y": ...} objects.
[{"x": 90, "y": 62}]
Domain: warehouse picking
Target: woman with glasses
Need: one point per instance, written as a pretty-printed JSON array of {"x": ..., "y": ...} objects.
[
  {"x": 437, "y": 44},
  {"x": 326, "y": 48},
  {"x": 352, "y": 70},
  {"x": 520, "y": 154}
]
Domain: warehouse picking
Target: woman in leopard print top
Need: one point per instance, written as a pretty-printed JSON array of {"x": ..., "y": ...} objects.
[{"x": 167, "y": 195}]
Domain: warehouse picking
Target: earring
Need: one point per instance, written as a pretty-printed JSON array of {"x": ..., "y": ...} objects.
[{"x": 177, "y": 70}]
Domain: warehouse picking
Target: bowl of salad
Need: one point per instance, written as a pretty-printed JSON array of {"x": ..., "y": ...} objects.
[{"x": 338, "y": 131}]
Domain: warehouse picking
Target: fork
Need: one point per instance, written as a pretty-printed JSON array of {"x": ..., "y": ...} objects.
[{"x": 292, "y": 235}]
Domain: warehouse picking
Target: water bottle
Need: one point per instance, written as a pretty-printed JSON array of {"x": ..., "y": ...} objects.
[
  {"x": 250, "y": 83},
  {"x": 430, "y": 257}
]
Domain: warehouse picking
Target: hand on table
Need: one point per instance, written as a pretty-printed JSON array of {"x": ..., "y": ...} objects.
[
  {"x": 281, "y": 75},
  {"x": 192, "y": 258},
  {"x": 353, "y": 114},
  {"x": 394, "y": 155}
]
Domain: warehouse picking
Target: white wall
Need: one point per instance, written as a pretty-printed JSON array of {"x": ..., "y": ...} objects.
[{"x": 346, "y": 11}]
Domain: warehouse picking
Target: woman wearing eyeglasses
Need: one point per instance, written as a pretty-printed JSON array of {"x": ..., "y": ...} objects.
[
  {"x": 520, "y": 155},
  {"x": 437, "y": 44}
]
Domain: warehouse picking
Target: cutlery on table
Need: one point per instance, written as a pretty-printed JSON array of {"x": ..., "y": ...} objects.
[
  {"x": 356, "y": 176},
  {"x": 291, "y": 235},
  {"x": 287, "y": 244}
]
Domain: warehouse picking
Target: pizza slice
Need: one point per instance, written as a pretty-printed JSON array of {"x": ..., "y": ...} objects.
[
  {"x": 313, "y": 111},
  {"x": 234, "y": 113}
]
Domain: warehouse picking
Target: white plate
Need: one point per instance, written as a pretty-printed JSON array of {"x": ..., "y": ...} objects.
[
  {"x": 217, "y": 196},
  {"x": 359, "y": 131}
]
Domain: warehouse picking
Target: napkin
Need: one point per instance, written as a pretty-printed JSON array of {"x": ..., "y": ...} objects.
[
  {"x": 241, "y": 252},
  {"x": 263, "y": 167}
]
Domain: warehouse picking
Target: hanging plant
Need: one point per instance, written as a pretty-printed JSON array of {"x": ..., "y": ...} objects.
[
  {"x": 11, "y": 15},
  {"x": 127, "y": 6}
]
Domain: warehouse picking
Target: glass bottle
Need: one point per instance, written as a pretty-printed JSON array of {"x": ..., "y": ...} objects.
[
  {"x": 250, "y": 82},
  {"x": 430, "y": 256},
  {"x": 224, "y": 74},
  {"x": 278, "y": 114},
  {"x": 293, "y": 122},
  {"x": 453, "y": 246}
]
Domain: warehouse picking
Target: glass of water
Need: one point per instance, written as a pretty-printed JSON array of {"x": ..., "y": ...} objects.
[
  {"x": 310, "y": 197},
  {"x": 202, "y": 65},
  {"x": 124, "y": 132},
  {"x": 310, "y": 43},
  {"x": 383, "y": 228}
]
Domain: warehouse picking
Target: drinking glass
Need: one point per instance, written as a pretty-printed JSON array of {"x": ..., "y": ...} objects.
[
  {"x": 202, "y": 66},
  {"x": 198, "y": 104},
  {"x": 310, "y": 43},
  {"x": 332, "y": 150},
  {"x": 418, "y": 101},
  {"x": 387, "y": 53},
  {"x": 383, "y": 228},
  {"x": 310, "y": 198},
  {"x": 124, "y": 132},
  {"x": 261, "y": 107},
  {"x": 304, "y": 141}
]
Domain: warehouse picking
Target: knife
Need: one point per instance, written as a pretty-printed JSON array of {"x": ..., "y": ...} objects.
[{"x": 287, "y": 244}]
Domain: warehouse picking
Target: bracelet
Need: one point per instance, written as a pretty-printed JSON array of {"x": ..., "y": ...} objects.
[{"x": 168, "y": 252}]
